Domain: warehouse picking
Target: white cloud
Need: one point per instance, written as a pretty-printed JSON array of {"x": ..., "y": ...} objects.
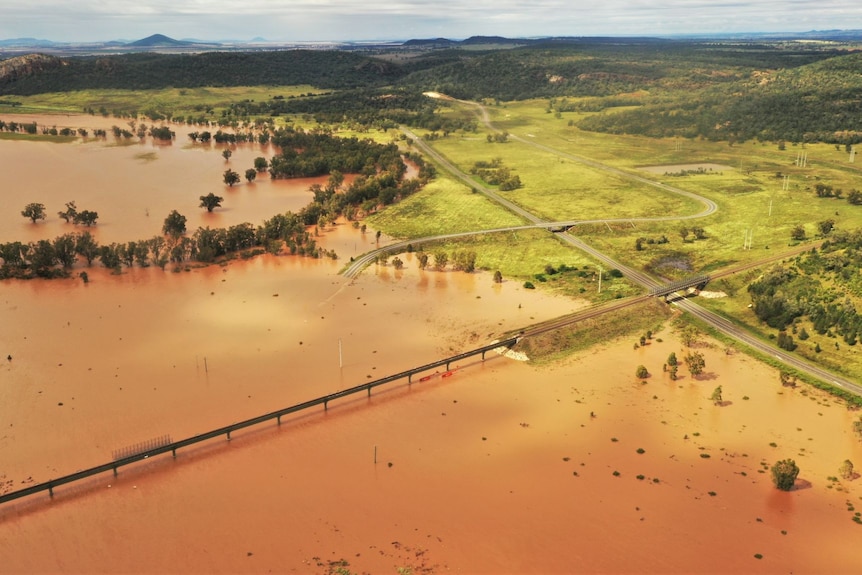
[{"x": 360, "y": 19}]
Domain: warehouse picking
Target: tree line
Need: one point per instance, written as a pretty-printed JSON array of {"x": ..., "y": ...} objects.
[
  {"x": 380, "y": 181},
  {"x": 821, "y": 286}
]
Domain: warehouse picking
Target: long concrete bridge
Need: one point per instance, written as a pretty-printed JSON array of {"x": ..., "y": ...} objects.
[{"x": 162, "y": 445}]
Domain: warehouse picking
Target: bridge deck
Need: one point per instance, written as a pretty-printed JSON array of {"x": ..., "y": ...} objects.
[
  {"x": 678, "y": 285},
  {"x": 164, "y": 445}
]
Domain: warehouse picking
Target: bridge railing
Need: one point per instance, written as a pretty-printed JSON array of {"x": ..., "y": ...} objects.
[
  {"x": 678, "y": 285},
  {"x": 163, "y": 445}
]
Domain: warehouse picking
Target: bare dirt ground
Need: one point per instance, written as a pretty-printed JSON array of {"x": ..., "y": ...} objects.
[{"x": 502, "y": 468}]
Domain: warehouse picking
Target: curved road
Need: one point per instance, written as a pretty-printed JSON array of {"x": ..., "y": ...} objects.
[{"x": 716, "y": 321}]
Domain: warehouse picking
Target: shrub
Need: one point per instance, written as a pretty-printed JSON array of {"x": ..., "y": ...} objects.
[{"x": 784, "y": 474}]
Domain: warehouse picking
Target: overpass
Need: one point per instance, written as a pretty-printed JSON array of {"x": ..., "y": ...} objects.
[{"x": 698, "y": 281}]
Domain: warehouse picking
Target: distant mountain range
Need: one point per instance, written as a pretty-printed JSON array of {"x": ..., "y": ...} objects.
[{"x": 160, "y": 42}]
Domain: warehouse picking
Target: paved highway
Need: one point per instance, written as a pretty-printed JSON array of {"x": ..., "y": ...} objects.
[{"x": 716, "y": 321}]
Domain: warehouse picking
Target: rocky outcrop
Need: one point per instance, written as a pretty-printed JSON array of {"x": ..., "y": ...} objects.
[{"x": 19, "y": 67}]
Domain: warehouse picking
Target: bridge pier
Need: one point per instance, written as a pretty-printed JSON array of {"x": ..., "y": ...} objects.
[
  {"x": 50, "y": 490},
  {"x": 115, "y": 471},
  {"x": 174, "y": 452}
]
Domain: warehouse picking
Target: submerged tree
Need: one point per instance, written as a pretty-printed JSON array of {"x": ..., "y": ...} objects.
[
  {"x": 230, "y": 177},
  {"x": 846, "y": 470},
  {"x": 695, "y": 362},
  {"x": 70, "y": 212},
  {"x": 784, "y": 474},
  {"x": 34, "y": 211},
  {"x": 175, "y": 224},
  {"x": 211, "y": 201}
]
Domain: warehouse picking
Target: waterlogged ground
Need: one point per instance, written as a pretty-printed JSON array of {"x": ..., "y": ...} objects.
[{"x": 501, "y": 468}]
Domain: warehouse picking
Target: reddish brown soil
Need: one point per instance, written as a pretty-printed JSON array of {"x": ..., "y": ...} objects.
[{"x": 498, "y": 469}]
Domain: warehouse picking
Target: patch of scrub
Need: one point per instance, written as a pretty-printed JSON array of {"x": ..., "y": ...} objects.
[
  {"x": 687, "y": 168},
  {"x": 147, "y": 156}
]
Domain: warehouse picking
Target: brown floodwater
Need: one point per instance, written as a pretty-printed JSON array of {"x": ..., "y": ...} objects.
[
  {"x": 135, "y": 184},
  {"x": 502, "y": 468}
]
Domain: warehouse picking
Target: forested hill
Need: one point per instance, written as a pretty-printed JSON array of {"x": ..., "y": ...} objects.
[
  {"x": 320, "y": 68},
  {"x": 731, "y": 91}
]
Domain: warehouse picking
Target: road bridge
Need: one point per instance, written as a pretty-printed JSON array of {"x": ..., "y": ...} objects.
[
  {"x": 162, "y": 445},
  {"x": 698, "y": 281}
]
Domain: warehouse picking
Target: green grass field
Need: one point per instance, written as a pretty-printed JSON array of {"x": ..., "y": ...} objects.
[
  {"x": 177, "y": 101},
  {"x": 748, "y": 186}
]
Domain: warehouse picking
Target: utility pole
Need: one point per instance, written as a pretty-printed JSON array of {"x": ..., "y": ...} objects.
[{"x": 340, "y": 355}]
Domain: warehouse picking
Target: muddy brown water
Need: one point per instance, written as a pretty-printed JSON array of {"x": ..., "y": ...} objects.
[{"x": 500, "y": 468}]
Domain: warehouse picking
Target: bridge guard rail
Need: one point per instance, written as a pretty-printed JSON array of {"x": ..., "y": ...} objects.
[{"x": 120, "y": 461}]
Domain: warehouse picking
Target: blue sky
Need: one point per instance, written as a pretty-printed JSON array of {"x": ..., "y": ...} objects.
[{"x": 339, "y": 20}]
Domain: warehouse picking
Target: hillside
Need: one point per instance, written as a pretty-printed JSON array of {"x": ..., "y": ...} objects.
[
  {"x": 323, "y": 69},
  {"x": 729, "y": 91}
]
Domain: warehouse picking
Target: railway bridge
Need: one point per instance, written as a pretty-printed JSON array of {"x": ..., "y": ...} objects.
[{"x": 699, "y": 282}]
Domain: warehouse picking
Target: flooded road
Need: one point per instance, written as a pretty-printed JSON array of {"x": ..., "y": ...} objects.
[{"x": 502, "y": 468}]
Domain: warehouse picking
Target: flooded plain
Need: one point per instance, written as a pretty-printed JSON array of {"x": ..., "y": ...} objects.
[{"x": 502, "y": 468}]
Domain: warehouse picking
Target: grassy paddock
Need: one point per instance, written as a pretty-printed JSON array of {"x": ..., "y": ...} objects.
[
  {"x": 37, "y": 138},
  {"x": 559, "y": 189},
  {"x": 443, "y": 206},
  {"x": 630, "y": 322},
  {"x": 177, "y": 101}
]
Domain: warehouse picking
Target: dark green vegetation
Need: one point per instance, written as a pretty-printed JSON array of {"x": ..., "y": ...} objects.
[
  {"x": 812, "y": 301},
  {"x": 684, "y": 102},
  {"x": 784, "y": 474},
  {"x": 722, "y": 91},
  {"x": 325, "y": 69},
  {"x": 381, "y": 181}
]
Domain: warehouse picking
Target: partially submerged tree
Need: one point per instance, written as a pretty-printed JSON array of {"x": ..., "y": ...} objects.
[
  {"x": 175, "y": 224},
  {"x": 211, "y": 201},
  {"x": 641, "y": 372},
  {"x": 34, "y": 211},
  {"x": 715, "y": 398},
  {"x": 784, "y": 474},
  {"x": 230, "y": 177},
  {"x": 695, "y": 363},
  {"x": 846, "y": 470},
  {"x": 70, "y": 212},
  {"x": 86, "y": 217}
]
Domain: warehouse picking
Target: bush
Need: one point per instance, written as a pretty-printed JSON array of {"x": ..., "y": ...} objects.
[{"x": 784, "y": 474}]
